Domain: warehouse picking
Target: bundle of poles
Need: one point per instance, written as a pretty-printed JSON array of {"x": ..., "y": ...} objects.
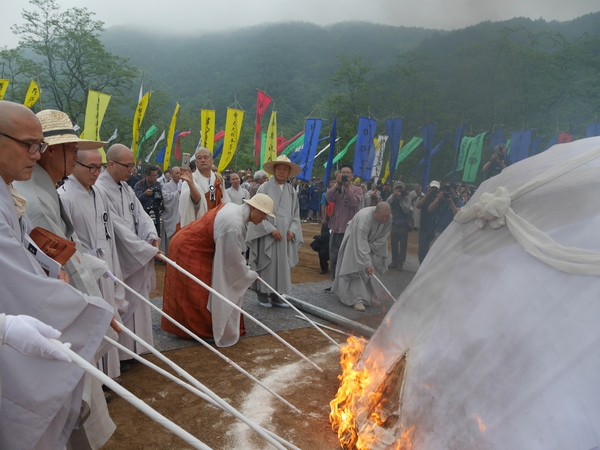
[{"x": 191, "y": 383}]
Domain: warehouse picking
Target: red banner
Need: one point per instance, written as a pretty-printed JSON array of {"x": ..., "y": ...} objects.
[
  {"x": 219, "y": 135},
  {"x": 282, "y": 145},
  {"x": 177, "y": 149},
  {"x": 564, "y": 138},
  {"x": 262, "y": 104}
]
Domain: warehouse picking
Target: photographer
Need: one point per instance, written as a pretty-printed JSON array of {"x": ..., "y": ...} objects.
[
  {"x": 401, "y": 210},
  {"x": 497, "y": 162},
  {"x": 149, "y": 193},
  {"x": 446, "y": 205},
  {"x": 428, "y": 219}
]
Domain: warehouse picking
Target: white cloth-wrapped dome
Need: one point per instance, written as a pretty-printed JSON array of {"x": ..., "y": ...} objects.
[{"x": 503, "y": 350}]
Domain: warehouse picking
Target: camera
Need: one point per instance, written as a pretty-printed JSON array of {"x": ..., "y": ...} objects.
[
  {"x": 344, "y": 178},
  {"x": 446, "y": 192}
]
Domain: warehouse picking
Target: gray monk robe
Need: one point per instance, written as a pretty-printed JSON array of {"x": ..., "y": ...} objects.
[
  {"x": 45, "y": 210},
  {"x": 364, "y": 245},
  {"x": 270, "y": 258},
  {"x": 92, "y": 222},
  {"x": 134, "y": 232},
  {"x": 170, "y": 214},
  {"x": 41, "y": 398}
]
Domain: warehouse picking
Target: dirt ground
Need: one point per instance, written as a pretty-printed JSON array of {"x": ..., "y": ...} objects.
[{"x": 262, "y": 356}]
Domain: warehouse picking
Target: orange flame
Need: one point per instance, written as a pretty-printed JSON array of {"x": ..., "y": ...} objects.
[{"x": 359, "y": 400}]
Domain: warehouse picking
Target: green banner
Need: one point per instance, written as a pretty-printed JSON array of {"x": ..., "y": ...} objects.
[
  {"x": 341, "y": 154},
  {"x": 408, "y": 149},
  {"x": 473, "y": 158},
  {"x": 295, "y": 145},
  {"x": 464, "y": 149}
]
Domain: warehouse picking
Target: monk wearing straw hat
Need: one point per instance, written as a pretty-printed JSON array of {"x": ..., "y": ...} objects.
[{"x": 211, "y": 248}]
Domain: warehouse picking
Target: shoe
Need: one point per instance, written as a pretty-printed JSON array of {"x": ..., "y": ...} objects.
[
  {"x": 323, "y": 272},
  {"x": 276, "y": 301},
  {"x": 393, "y": 266},
  {"x": 328, "y": 290},
  {"x": 359, "y": 306},
  {"x": 124, "y": 367},
  {"x": 400, "y": 267},
  {"x": 108, "y": 397},
  {"x": 263, "y": 300}
]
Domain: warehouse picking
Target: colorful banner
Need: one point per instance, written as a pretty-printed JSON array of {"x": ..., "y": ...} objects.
[
  {"x": 341, "y": 154},
  {"x": 233, "y": 126},
  {"x": 33, "y": 94},
  {"x": 177, "y": 143},
  {"x": 148, "y": 135},
  {"x": 207, "y": 129},
  {"x": 591, "y": 131},
  {"x": 408, "y": 149},
  {"x": 270, "y": 148},
  {"x": 394, "y": 130},
  {"x": 427, "y": 131},
  {"x": 97, "y": 103},
  {"x": 332, "y": 140},
  {"x": 113, "y": 137},
  {"x": 535, "y": 146},
  {"x": 3, "y": 87},
  {"x": 283, "y": 147},
  {"x": 312, "y": 130},
  {"x": 519, "y": 145},
  {"x": 365, "y": 152},
  {"x": 162, "y": 136},
  {"x": 564, "y": 138},
  {"x": 295, "y": 145},
  {"x": 140, "y": 111},
  {"x": 218, "y": 150},
  {"x": 497, "y": 138},
  {"x": 170, "y": 137},
  {"x": 379, "y": 152},
  {"x": 462, "y": 154},
  {"x": 262, "y": 103},
  {"x": 473, "y": 158}
]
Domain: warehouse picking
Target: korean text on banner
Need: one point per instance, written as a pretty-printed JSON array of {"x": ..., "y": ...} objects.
[
  {"x": 312, "y": 131},
  {"x": 3, "y": 87},
  {"x": 270, "y": 153},
  {"x": 207, "y": 128},
  {"x": 170, "y": 137},
  {"x": 140, "y": 111},
  {"x": 233, "y": 127},
  {"x": 33, "y": 94},
  {"x": 365, "y": 152}
]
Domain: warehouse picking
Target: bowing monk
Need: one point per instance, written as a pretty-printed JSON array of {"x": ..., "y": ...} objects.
[{"x": 212, "y": 248}]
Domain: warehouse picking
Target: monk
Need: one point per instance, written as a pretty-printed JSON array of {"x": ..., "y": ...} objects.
[{"x": 212, "y": 248}]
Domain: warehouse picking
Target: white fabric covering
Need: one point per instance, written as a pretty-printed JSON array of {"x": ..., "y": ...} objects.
[{"x": 496, "y": 335}]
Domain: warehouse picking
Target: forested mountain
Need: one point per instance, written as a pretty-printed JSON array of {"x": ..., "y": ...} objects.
[{"x": 515, "y": 74}]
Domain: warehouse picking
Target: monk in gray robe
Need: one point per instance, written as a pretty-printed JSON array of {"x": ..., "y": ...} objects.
[
  {"x": 274, "y": 243},
  {"x": 41, "y": 399},
  {"x": 362, "y": 253},
  {"x": 136, "y": 241},
  {"x": 45, "y": 210},
  {"x": 170, "y": 215},
  {"x": 88, "y": 210}
]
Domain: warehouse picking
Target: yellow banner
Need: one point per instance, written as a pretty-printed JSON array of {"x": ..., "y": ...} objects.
[
  {"x": 233, "y": 126},
  {"x": 137, "y": 123},
  {"x": 386, "y": 174},
  {"x": 271, "y": 142},
  {"x": 97, "y": 103},
  {"x": 207, "y": 128},
  {"x": 170, "y": 138},
  {"x": 3, "y": 87},
  {"x": 33, "y": 94}
]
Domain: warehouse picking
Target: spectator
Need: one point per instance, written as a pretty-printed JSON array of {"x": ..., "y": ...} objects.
[
  {"x": 415, "y": 195},
  {"x": 148, "y": 191},
  {"x": 446, "y": 205},
  {"x": 428, "y": 219},
  {"x": 401, "y": 210},
  {"x": 497, "y": 163}
]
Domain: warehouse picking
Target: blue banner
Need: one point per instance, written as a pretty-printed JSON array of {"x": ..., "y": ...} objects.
[
  {"x": 312, "y": 130},
  {"x": 535, "y": 146},
  {"x": 519, "y": 145},
  {"x": 161, "y": 154},
  {"x": 394, "y": 130},
  {"x": 458, "y": 135},
  {"x": 332, "y": 138},
  {"x": 433, "y": 152},
  {"x": 593, "y": 130},
  {"x": 497, "y": 138},
  {"x": 219, "y": 149},
  {"x": 552, "y": 142},
  {"x": 364, "y": 148}
]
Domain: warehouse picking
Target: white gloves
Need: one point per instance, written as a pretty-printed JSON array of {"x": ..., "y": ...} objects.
[{"x": 29, "y": 336}]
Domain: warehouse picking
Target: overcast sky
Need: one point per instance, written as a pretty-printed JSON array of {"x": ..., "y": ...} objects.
[{"x": 181, "y": 16}]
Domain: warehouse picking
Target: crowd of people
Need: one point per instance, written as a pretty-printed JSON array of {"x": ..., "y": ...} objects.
[{"x": 233, "y": 231}]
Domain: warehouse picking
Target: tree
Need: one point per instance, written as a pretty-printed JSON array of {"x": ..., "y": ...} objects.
[{"x": 72, "y": 60}]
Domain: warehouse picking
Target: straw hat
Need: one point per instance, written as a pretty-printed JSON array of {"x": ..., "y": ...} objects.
[
  {"x": 263, "y": 203},
  {"x": 58, "y": 129},
  {"x": 269, "y": 167}
]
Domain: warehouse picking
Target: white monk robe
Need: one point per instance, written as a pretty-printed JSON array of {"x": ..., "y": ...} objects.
[
  {"x": 238, "y": 196},
  {"x": 188, "y": 211},
  {"x": 92, "y": 222},
  {"x": 134, "y": 233},
  {"x": 41, "y": 398},
  {"x": 364, "y": 245},
  {"x": 45, "y": 210},
  {"x": 170, "y": 214},
  {"x": 273, "y": 259}
]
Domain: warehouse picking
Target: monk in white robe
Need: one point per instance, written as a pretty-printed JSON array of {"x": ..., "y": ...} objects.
[
  {"x": 362, "y": 253},
  {"x": 45, "y": 210},
  {"x": 170, "y": 214},
  {"x": 202, "y": 191},
  {"x": 274, "y": 243},
  {"x": 136, "y": 241},
  {"x": 88, "y": 210},
  {"x": 41, "y": 399},
  {"x": 236, "y": 193},
  {"x": 217, "y": 242}
]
